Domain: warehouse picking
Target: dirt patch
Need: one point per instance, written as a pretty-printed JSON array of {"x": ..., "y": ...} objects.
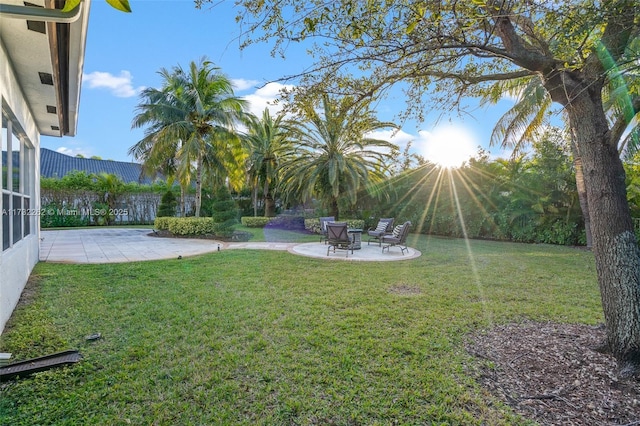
[
  {"x": 550, "y": 373},
  {"x": 30, "y": 291}
]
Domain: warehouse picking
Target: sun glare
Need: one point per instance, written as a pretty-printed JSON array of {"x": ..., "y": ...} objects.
[{"x": 449, "y": 146}]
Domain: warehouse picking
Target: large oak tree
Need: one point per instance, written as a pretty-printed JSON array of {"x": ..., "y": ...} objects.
[{"x": 443, "y": 51}]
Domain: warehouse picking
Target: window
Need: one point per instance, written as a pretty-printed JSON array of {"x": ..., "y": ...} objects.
[
  {"x": 5, "y": 158},
  {"x": 17, "y": 163}
]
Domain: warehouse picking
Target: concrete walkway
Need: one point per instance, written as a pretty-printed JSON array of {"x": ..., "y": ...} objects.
[{"x": 113, "y": 245}]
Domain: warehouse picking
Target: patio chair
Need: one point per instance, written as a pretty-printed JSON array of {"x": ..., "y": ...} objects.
[
  {"x": 385, "y": 226},
  {"x": 323, "y": 227},
  {"x": 338, "y": 237},
  {"x": 397, "y": 238}
]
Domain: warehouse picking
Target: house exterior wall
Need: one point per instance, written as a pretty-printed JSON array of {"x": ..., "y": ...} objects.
[{"x": 18, "y": 260}]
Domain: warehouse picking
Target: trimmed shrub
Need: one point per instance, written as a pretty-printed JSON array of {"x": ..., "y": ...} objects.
[
  {"x": 255, "y": 222},
  {"x": 168, "y": 204},
  {"x": 162, "y": 223},
  {"x": 313, "y": 225},
  {"x": 192, "y": 226},
  {"x": 186, "y": 225},
  {"x": 225, "y": 213}
]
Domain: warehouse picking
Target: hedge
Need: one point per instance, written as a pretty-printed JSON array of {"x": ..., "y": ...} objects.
[
  {"x": 314, "y": 224},
  {"x": 255, "y": 222},
  {"x": 186, "y": 225}
]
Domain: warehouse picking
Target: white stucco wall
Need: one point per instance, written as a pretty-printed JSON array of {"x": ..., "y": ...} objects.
[{"x": 17, "y": 262}]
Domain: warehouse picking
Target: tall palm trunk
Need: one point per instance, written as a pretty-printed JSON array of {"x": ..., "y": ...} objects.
[
  {"x": 582, "y": 191},
  {"x": 199, "y": 183},
  {"x": 582, "y": 195},
  {"x": 333, "y": 208},
  {"x": 255, "y": 199},
  {"x": 183, "y": 202},
  {"x": 269, "y": 202}
]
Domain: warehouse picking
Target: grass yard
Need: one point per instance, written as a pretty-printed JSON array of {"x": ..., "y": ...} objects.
[{"x": 269, "y": 338}]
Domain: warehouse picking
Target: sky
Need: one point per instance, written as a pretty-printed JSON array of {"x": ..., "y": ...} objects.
[{"x": 125, "y": 51}]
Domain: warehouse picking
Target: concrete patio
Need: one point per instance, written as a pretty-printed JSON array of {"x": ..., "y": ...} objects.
[{"x": 114, "y": 245}]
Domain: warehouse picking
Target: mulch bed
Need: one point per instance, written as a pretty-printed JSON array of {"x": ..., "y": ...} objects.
[{"x": 550, "y": 373}]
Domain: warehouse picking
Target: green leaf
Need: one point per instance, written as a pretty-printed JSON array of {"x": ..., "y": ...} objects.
[
  {"x": 411, "y": 27},
  {"x": 538, "y": 208},
  {"x": 122, "y": 5},
  {"x": 69, "y": 5}
]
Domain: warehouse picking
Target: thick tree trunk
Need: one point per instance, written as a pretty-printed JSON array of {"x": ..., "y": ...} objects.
[
  {"x": 333, "y": 208},
  {"x": 269, "y": 206},
  {"x": 269, "y": 202},
  {"x": 615, "y": 249}
]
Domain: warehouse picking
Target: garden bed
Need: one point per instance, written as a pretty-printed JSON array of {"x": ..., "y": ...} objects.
[{"x": 550, "y": 373}]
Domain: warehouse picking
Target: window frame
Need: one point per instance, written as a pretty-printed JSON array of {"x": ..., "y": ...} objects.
[{"x": 16, "y": 202}]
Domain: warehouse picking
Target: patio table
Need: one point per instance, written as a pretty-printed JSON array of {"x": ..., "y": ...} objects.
[{"x": 356, "y": 235}]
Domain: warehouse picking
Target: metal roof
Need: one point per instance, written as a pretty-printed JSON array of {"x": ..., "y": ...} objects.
[{"x": 56, "y": 165}]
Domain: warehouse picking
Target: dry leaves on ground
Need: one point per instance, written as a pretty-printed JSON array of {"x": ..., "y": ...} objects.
[{"x": 550, "y": 373}]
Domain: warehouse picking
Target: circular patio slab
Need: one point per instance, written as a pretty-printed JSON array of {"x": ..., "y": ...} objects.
[{"x": 368, "y": 253}]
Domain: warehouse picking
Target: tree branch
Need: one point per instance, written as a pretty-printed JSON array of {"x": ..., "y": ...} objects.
[
  {"x": 519, "y": 51},
  {"x": 618, "y": 30},
  {"x": 468, "y": 79}
]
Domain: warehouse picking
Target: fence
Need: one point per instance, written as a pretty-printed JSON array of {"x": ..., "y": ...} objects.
[{"x": 133, "y": 208}]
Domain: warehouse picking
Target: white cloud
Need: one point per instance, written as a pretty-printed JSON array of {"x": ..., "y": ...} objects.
[
  {"x": 240, "y": 84},
  {"x": 120, "y": 86},
  {"x": 398, "y": 137},
  {"x": 266, "y": 97},
  {"x": 73, "y": 151}
]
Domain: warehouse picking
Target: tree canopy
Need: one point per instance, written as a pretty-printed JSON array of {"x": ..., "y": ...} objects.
[
  {"x": 335, "y": 154},
  {"x": 447, "y": 50},
  {"x": 443, "y": 51},
  {"x": 189, "y": 124}
]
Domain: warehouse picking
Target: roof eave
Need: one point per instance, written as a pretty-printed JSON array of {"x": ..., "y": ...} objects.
[{"x": 65, "y": 41}]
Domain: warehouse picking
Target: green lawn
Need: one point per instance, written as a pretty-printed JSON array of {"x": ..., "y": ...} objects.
[{"x": 263, "y": 337}]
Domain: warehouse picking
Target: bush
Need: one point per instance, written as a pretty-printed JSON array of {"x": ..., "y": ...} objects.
[
  {"x": 255, "y": 222},
  {"x": 313, "y": 225},
  {"x": 168, "y": 204},
  {"x": 225, "y": 213},
  {"x": 162, "y": 223},
  {"x": 101, "y": 214},
  {"x": 55, "y": 215},
  {"x": 186, "y": 225}
]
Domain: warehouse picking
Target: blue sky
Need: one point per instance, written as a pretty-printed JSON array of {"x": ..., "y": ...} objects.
[{"x": 125, "y": 51}]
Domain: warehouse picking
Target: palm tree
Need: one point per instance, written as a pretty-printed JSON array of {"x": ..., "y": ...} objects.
[
  {"x": 194, "y": 108},
  {"x": 158, "y": 110},
  {"x": 526, "y": 120},
  {"x": 334, "y": 156},
  {"x": 111, "y": 187},
  {"x": 267, "y": 143}
]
